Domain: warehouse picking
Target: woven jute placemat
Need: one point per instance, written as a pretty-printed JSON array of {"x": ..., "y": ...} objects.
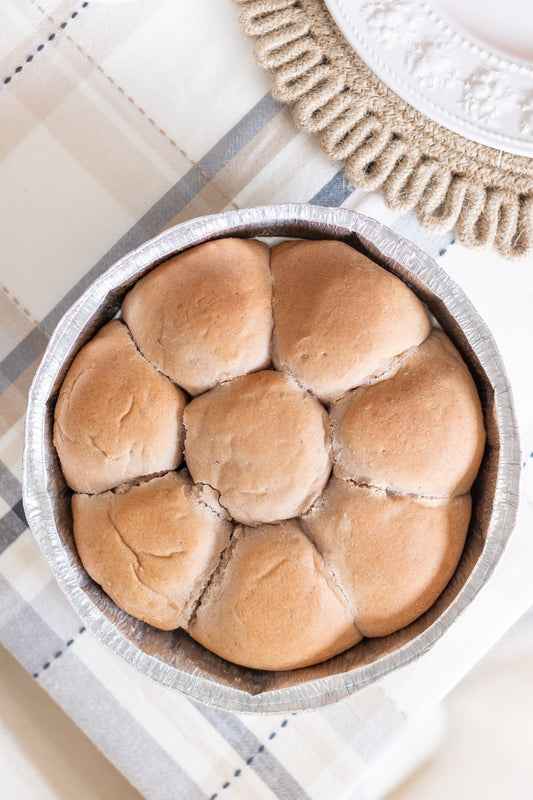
[{"x": 451, "y": 182}]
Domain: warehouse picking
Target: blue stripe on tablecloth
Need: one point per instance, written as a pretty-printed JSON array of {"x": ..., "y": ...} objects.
[
  {"x": 254, "y": 753},
  {"x": 86, "y": 700},
  {"x": 10, "y": 488},
  {"x": 21, "y": 357},
  {"x": 13, "y": 523},
  {"x": 335, "y": 192}
]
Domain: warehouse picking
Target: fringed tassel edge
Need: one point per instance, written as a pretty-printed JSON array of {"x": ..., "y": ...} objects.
[{"x": 374, "y": 155}]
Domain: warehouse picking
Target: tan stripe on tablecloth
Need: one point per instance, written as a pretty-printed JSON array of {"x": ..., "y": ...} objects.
[
  {"x": 158, "y": 145},
  {"x": 39, "y": 89},
  {"x": 17, "y": 122},
  {"x": 14, "y": 321},
  {"x": 77, "y": 115},
  {"x": 107, "y": 26},
  {"x": 57, "y": 72},
  {"x": 117, "y": 164}
]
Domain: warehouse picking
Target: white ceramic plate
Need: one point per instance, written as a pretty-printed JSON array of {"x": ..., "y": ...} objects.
[{"x": 466, "y": 64}]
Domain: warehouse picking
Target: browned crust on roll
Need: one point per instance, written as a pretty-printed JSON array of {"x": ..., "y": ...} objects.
[
  {"x": 205, "y": 315},
  {"x": 116, "y": 416},
  {"x": 273, "y": 605},
  {"x": 418, "y": 431},
  {"x": 262, "y": 443},
  {"x": 339, "y": 317},
  {"x": 392, "y": 556},
  {"x": 152, "y": 547}
]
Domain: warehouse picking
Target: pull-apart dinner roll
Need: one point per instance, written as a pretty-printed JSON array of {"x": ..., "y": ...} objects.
[
  {"x": 116, "y": 416},
  {"x": 299, "y": 360},
  {"x": 392, "y": 556},
  {"x": 262, "y": 443},
  {"x": 339, "y": 318},
  {"x": 205, "y": 315},
  {"x": 272, "y": 605},
  {"x": 152, "y": 547},
  {"x": 419, "y": 430}
]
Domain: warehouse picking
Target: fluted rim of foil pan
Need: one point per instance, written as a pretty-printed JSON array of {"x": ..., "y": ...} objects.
[{"x": 100, "y": 301}]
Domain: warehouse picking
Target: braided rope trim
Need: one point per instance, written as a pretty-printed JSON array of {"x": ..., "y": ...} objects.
[{"x": 450, "y": 181}]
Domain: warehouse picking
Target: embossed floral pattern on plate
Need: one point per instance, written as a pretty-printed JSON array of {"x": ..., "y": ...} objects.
[{"x": 442, "y": 71}]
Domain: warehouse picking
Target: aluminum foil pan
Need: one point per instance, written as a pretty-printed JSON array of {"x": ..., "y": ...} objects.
[{"x": 174, "y": 659}]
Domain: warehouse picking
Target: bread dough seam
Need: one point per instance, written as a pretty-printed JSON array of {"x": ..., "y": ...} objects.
[
  {"x": 228, "y": 512},
  {"x": 391, "y": 491},
  {"x": 143, "y": 356},
  {"x": 227, "y": 516},
  {"x": 125, "y": 486},
  {"x": 388, "y": 371},
  {"x": 284, "y": 370},
  {"x": 223, "y": 561},
  {"x": 329, "y": 573},
  {"x": 272, "y": 325}
]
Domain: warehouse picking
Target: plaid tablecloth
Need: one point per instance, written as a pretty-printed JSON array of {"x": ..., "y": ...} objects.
[{"x": 118, "y": 119}]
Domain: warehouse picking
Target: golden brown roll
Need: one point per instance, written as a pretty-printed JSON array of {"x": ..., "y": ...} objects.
[
  {"x": 151, "y": 547},
  {"x": 205, "y": 315},
  {"x": 272, "y": 605},
  {"x": 392, "y": 556},
  {"x": 255, "y": 548},
  {"x": 419, "y": 430},
  {"x": 116, "y": 416},
  {"x": 339, "y": 318},
  {"x": 262, "y": 443}
]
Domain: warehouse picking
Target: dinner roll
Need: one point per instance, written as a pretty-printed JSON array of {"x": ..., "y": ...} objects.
[
  {"x": 205, "y": 315},
  {"x": 273, "y": 605},
  {"x": 339, "y": 318},
  {"x": 392, "y": 556},
  {"x": 262, "y": 443},
  {"x": 152, "y": 546},
  {"x": 116, "y": 416},
  {"x": 265, "y": 372},
  {"x": 420, "y": 430}
]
